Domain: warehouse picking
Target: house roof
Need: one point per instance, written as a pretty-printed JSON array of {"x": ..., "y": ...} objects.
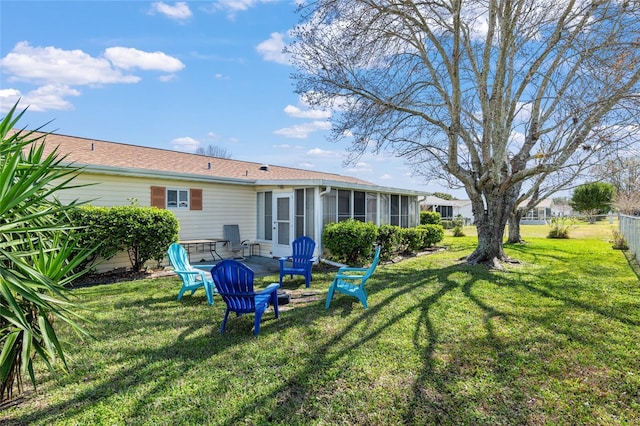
[
  {"x": 432, "y": 200},
  {"x": 112, "y": 157},
  {"x": 546, "y": 203}
]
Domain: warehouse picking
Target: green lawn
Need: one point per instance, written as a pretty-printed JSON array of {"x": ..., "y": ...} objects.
[{"x": 554, "y": 340}]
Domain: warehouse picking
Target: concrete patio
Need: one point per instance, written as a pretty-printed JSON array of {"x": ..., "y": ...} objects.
[{"x": 261, "y": 266}]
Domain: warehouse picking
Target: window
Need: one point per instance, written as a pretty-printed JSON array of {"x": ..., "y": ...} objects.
[
  {"x": 177, "y": 198},
  {"x": 395, "y": 210},
  {"x": 446, "y": 212},
  {"x": 359, "y": 206},
  {"x": 304, "y": 211},
  {"x": 344, "y": 205},
  {"x": 265, "y": 215},
  {"x": 329, "y": 208},
  {"x": 404, "y": 211},
  {"x": 299, "y": 213},
  {"x": 385, "y": 208},
  {"x": 164, "y": 198},
  {"x": 372, "y": 207},
  {"x": 310, "y": 213}
]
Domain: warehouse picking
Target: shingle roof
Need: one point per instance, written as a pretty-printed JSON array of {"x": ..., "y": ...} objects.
[{"x": 92, "y": 152}]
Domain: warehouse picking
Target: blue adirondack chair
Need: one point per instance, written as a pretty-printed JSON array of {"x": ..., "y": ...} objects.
[
  {"x": 192, "y": 278},
  {"x": 301, "y": 261},
  {"x": 351, "y": 281},
  {"x": 234, "y": 282}
]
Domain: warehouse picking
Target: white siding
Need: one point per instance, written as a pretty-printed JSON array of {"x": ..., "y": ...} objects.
[{"x": 222, "y": 204}]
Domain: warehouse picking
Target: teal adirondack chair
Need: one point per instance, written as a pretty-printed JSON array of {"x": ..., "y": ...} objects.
[
  {"x": 234, "y": 282},
  {"x": 301, "y": 261},
  {"x": 351, "y": 281},
  {"x": 192, "y": 278}
]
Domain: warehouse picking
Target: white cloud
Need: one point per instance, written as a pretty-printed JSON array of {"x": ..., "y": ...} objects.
[
  {"x": 386, "y": 176},
  {"x": 44, "y": 98},
  {"x": 56, "y": 71},
  {"x": 186, "y": 144},
  {"x": 316, "y": 114},
  {"x": 8, "y": 98},
  {"x": 42, "y": 65},
  {"x": 361, "y": 167},
  {"x": 272, "y": 49},
  {"x": 179, "y": 11},
  {"x": 319, "y": 152},
  {"x": 307, "y": 165},
  {"x": 302, "y": 131},
  {"x": 166, "y": 78},
  {"x": 232, "y": 7},
  {"x": 128, "y": 58}
]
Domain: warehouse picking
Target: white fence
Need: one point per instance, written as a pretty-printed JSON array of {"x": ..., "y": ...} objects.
[{"x": 630, "y": 228}]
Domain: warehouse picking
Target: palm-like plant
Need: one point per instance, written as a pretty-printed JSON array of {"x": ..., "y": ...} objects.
[{"x": 38, "y": 256}]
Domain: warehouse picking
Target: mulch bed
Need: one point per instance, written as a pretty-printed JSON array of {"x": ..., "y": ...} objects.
[{"x": 118, "y": 276}]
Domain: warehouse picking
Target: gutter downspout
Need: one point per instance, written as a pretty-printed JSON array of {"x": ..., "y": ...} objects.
[{"x": 327, "y": 190}]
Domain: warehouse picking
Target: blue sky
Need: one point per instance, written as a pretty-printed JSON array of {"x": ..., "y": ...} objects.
[{"x": 173, "y": 75}]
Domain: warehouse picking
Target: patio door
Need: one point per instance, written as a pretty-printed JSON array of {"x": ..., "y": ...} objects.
[{"x": 282, "y": 224}]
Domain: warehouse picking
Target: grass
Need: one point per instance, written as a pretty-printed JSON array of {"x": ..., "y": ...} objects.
[{"x": 553, "y": 340}]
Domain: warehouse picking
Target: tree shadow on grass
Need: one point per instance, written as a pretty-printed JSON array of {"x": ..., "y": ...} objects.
[
  {"x": 302, "y": 394},
  {"x": 432, "y": 400}
]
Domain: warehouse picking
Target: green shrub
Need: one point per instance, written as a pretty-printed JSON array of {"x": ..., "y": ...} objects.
[
  {"x": 389, "y": 238},
  {"x": 433, "y": 234},
  {"x": 619, "y": 242},
  {"x": 457, "y": 231},
  {"x": 420, "y": 237},
  {"x": 350, "y": 241},
  {"x": 451, "y": 224},
  {"x": 144, "y": 232},
  {"x": 430, "y": 218},
  {"x": 412, "y": 239},
  {"x": 559, "y": 227}
]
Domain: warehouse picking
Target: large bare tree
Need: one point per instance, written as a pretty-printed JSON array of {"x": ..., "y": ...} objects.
[
  {"x": 490, "y": 94},
  {"x": 623, "y": 172}
]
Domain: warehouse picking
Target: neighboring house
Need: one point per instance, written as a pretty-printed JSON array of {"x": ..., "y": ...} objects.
[
  {"x": 272, "y": 205},
  {"x": 448, "y": 209},
  {"x": 540, "y": 214}
]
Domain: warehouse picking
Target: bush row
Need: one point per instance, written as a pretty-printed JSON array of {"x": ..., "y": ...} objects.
[
  {"x": 144, "y": 232},
  {"x": 352, "y": 241}
]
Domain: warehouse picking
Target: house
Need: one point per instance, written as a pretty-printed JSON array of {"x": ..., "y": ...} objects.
[
  {"x": 538, "y": 215},
  {"x": 448, "y": 209},
  {"x": 271, "y": 204}
]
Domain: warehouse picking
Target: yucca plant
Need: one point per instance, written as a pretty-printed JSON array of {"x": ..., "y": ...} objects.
[{"x": 37, "y": 255}]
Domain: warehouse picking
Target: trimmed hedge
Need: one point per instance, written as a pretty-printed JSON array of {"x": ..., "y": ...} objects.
[
  {"x": 430, "y": 218},
  {"x": 389, "y": 238},
  {"x": 350, "y": 241},
  {"x": 144, "y": 232}
]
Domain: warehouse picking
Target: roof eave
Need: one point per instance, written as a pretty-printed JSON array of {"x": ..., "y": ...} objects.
[
  {"x": 339, "y": 184},
  {"x": 123, "y": 171}
]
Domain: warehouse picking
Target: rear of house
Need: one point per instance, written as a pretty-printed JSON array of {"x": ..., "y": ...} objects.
[{"x": 272, "y": 205}]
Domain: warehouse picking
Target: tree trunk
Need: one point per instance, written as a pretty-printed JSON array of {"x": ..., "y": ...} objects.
[
  {"x": 514, "y": 227},
  {"x": 490, "y": 223}
]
